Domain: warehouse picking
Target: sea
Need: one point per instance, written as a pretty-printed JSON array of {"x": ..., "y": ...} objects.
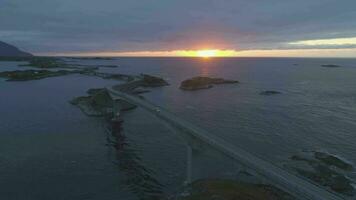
[{"x": 49, "y": 149}]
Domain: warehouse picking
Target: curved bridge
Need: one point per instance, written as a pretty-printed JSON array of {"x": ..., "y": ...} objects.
[{"x": 199, "y": 141}]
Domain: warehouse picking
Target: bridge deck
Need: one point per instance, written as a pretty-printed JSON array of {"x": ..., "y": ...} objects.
[{"x": 295, "y": 185}]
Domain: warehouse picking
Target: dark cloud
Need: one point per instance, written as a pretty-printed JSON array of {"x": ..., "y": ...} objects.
[{"x": 129, "y": 25}]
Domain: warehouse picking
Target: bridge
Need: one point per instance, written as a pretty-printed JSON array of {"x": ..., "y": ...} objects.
[{"x": 202, "y": 142}]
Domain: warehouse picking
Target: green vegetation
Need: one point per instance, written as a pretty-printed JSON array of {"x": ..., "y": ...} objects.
[
  {"x": 39, "y": 62},
  {"x": 91, "y": 58},
  {"x": 199, "y": 82},
  {"x": 330, "y": 178},
  {"x": 99, "y": 103},
  {"x": 321, "y": 169},
  {"x": 26, "y": 75},
  {"x": 152, "y": 81},
  {"x": 232, "y": 190},
  {"x": 46, "y": 62},
  {"x": 333, "y": 160},
  {"x": 106, "y": 75},
  {"x": 51, "y": 62}
]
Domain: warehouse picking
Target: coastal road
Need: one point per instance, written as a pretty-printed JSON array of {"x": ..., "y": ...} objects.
[{"x": 299, "y": 187}]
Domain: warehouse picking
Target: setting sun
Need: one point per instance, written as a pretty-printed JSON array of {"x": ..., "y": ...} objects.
[{"x": 206, "y": 53}]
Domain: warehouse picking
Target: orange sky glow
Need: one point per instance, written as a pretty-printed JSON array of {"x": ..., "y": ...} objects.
[{"x": 206, "y": 53}]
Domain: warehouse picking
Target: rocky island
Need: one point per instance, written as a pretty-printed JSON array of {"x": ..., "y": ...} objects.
[{"x": 201, "y": 82}]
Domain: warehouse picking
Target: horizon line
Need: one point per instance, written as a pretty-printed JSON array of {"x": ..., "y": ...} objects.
[{"x": 217, "y": 53}]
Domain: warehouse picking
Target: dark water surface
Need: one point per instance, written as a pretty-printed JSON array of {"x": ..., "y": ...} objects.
[{"x": 50, "y": 150}]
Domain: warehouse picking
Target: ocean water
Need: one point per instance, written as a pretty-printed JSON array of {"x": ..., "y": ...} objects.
[{"x": 50, "y": 150}]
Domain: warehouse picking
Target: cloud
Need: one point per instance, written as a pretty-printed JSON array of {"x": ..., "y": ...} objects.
[{"x": 138, "y": 25}]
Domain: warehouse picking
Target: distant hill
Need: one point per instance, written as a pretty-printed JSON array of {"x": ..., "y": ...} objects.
[{"x": 9, "y": 50}]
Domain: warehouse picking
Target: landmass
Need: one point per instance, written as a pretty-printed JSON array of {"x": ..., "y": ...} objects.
[
  {"x": 224, "y": 189},
  {"x": 8, "y": 50},
  {"x": 103, "y": 75},
  {"x": 96, "y": 66},
  {"x": 91, "y": 58},
  {"x": 269, "y": 92},
  {"x": 51, "y": 63},
  {"x": 331, "y": 66},
  {"x": 325, "y": 169},
  {"x": 45, "y": 62},
  {"x": 152, "y": 81},
  {"x": 139, "y": 82},
  {"x": 99, "y": 102},
  {"x": 26, "y": 75},
  {"x": 201, "y": 82}
]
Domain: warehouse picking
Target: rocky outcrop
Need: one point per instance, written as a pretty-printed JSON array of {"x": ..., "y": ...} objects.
[
  {"x": 201, "y": 82},
  {"x": 11, "y": 51}
]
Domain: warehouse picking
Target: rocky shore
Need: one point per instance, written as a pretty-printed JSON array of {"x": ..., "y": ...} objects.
[
  {"x": 325, "y": 169},
  {"x": 201, "y": 82},
  {"x": 225, "y": 189}
]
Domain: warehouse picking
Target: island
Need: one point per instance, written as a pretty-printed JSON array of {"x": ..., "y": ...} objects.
[
  {"x": 26, "y": 75},
  {"x": 269, "y": 92},
  {"x": 331, "y": 66},
  {"x": 201, "y": 82},
  {"x": 99, "y": 102}
]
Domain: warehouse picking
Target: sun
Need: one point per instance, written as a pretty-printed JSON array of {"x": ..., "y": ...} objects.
[{"x": 207, "y": 53}]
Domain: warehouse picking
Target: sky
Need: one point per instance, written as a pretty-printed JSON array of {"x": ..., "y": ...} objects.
[{"x": 167, "y": 27}]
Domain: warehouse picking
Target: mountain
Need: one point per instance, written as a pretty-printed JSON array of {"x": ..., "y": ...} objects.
[{"x": 9, "y": 50}]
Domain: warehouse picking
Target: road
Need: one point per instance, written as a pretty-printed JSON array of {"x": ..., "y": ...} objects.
[{"x": 295, "y": 185}]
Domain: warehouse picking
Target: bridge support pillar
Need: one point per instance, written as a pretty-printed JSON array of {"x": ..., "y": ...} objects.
[
  {"x": 116, "y": 106},
  {"x": 189, "y": 165},
  {"x": 193, "y": 165}
]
